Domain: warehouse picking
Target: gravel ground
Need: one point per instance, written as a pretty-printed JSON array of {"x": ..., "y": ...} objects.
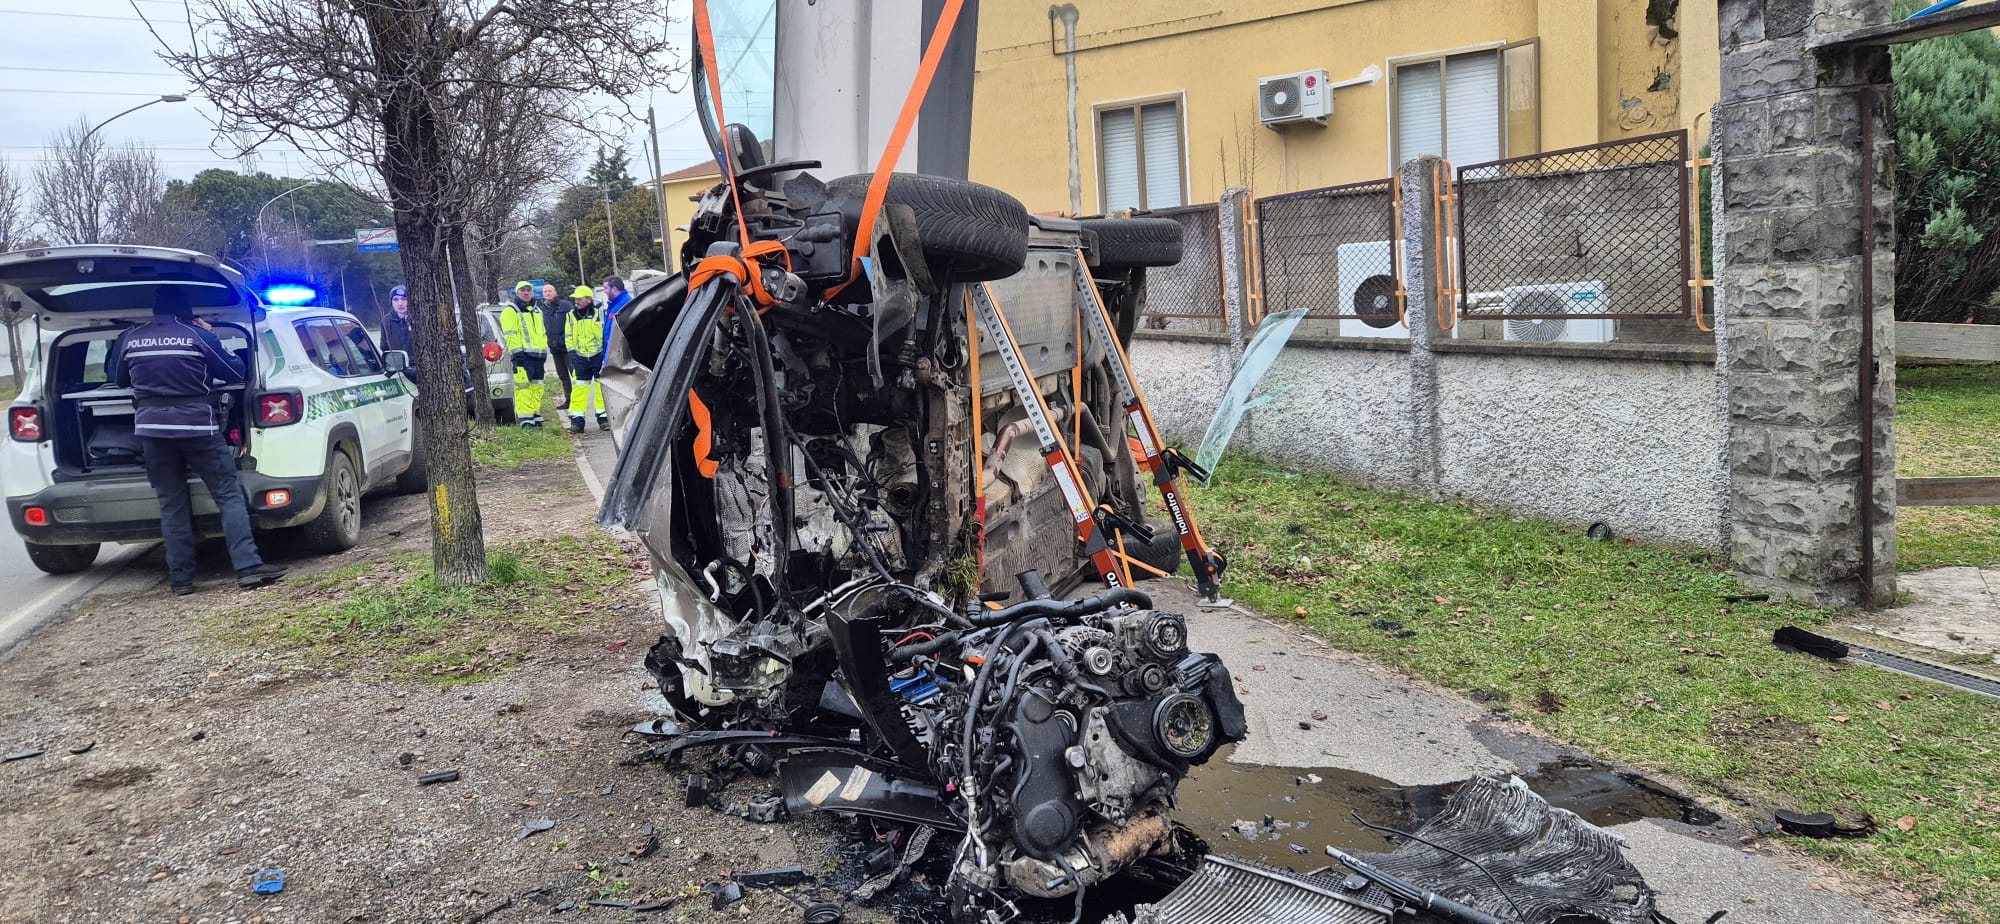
[{"x": 207, "y": 763}]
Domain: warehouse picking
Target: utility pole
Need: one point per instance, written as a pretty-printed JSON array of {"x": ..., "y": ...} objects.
[
  {"x": 659, "y": 192},
  {"x": 610, "y": 230},
  {"x": 577, "y": 226}
]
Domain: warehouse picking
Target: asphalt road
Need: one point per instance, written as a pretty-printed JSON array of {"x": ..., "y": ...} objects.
[{"x": 31, "y": 597}]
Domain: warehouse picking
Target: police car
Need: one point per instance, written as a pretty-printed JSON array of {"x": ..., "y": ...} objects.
[{"x": 324, "y": 418}]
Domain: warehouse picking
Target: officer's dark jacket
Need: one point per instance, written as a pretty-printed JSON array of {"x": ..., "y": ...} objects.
[{"x": 169, "y": 365}]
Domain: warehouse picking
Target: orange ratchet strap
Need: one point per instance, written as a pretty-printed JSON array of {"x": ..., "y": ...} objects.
[
  {"x": 704, "y": 436},
  {"x": 878, "y": 185}
]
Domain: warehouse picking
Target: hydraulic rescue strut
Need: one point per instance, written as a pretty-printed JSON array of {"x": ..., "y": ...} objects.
[
  {"x": 1088, "y": 530},
  {"x": 1163, "y": 462}
]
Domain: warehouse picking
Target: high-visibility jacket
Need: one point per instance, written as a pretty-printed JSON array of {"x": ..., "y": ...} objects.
[
  {"x": 522, "y": 327},
  {"x": 583, "y": 330}
]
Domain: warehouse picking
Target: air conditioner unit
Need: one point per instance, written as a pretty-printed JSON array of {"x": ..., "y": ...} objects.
[
  {"x": 1368, "y": 289},
  {"x": 1558, "y": 298},
  {"x": 1300, "y": 97}
]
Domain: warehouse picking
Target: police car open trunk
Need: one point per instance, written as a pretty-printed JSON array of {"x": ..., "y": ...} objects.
[{"x": 87, "y": 295}]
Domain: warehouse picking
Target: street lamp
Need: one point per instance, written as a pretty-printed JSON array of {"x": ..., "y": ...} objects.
[
  {"x": 168, "y": 98},
  {"x": 263, "y": 243}
]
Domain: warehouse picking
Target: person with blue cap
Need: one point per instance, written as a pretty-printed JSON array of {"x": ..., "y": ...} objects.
[{"x": 396, "y": 325}]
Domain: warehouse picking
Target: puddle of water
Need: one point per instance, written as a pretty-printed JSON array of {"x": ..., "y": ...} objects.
[{"x": 1268, "y": 814}]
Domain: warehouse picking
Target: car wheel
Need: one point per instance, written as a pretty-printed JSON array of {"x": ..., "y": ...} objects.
[
  {"x": 62, "y": 559},
  {"x": 338, "y": 526},
  {"x": 973, "y": 232},
  {"x": 503, "y": 412},
  {"x": 1135, "y": 241},
  {"x": 417, "y": 478},
  {"x": 1164, "y": 552}
]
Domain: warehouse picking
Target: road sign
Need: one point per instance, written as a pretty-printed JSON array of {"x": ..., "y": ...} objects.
[{"x": 373, "y": 240}]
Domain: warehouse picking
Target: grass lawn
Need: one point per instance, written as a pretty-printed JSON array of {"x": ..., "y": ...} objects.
[
  {"x": 1947, "y": 423},
  {"x": 8, "y": 393},
  {"x": 1636, "y": 653},
  {"x": 395, "y": 617},
  {"x": 508, "y": 445}
]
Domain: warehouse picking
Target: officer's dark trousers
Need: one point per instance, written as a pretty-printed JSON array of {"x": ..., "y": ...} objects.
[{"x": 168, "y": 464}]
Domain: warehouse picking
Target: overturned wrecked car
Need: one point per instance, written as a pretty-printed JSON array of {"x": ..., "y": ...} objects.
[{"x": 837, "y": 452}]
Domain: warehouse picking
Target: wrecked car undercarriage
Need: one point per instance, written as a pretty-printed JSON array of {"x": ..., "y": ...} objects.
[{"x": 798, "y": 464}]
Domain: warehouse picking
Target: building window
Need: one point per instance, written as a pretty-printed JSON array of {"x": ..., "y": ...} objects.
[
  {"x": 1468, "y": 108},
  {"x": 1139, "y": 163}
]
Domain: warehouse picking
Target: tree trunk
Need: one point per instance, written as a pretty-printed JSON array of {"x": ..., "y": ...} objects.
[
  {"x": 468, "y": 323},
  {"x": 16, "y": 371},
  {"x": 412, "y": 164}
]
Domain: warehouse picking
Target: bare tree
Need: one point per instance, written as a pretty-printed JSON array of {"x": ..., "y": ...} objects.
[
  {"x": 132, "y": 189},
  {"x": 69, "y": 185},
  {"x": 381, "y": 83}
]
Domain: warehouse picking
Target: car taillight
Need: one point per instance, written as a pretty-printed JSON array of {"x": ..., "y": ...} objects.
[
  {"x": 492, "y": 352},
  {"x": 278, "y": 410},
  {"x": 35, "y": 516},
  {"x": 25, "y": 424},
  {"x": 277, "y": 498}
]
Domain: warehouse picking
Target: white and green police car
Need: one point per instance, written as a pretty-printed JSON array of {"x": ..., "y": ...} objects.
[{"x": 324, "y": 418}]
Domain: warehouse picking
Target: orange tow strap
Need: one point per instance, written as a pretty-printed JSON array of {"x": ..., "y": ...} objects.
[
  {"x": 704, "y": 436},
  {"x": 878, "y": 185}
]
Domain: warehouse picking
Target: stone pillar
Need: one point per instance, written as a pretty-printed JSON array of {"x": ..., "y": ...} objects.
[
  {"x": 1418, "y": 187},
  {"x": 1231, "y": 213},
  {"x": 1787, "y": 143}
]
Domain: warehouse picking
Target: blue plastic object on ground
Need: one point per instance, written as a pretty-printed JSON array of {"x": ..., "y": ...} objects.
[{"x": 268, "y": 882}]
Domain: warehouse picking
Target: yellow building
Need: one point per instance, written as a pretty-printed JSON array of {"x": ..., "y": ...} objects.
[
  {"x": 683, "y": 187},
  {"x": 1165, "y": 94}
]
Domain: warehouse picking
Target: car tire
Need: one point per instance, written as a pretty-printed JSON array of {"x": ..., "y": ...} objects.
[
  {"x": 503, "y": 412},
  {"x": 338, "y": 526},
  {"x": 1123, "y": 242},
  {"x": 417, "y": 478},
  {"x": 62, "y": 559},
  {"x": 974, "y": 233},
  {"x": 1164, "y": 552}
]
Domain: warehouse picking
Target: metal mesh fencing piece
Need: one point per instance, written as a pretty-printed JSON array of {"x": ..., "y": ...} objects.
[
  {"x": 1594, "y": 232},
  {"x": 1332, "y": 251},
  {"x": 1188, "y": 295}
]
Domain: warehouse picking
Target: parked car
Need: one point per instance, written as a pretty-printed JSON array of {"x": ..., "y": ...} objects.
[
  {"x": 324, "y": 418},
  {"x": 499, "y": 365}
]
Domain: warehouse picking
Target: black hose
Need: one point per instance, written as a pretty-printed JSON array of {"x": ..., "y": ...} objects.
[
  {"x": 904, "y": 653},
  {"x": 1065, "y": 668},
  {"x": 1095, "y": 603}
]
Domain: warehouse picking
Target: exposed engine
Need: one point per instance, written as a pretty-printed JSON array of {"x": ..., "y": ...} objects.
[{"x": 1064, "y": 732}]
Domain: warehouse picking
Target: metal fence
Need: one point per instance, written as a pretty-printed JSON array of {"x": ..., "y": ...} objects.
[
  {"x": 1188, "y": 295},
  {"x": 1332, "y": 251},
  {"x": 1599, "y": 231}
]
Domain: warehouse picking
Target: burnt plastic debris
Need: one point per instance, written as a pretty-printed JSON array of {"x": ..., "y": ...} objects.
[
  {"x": 724, "y": 893},
  {"x": 1821, "y": 825},
  {"x": 1793, "y": 638},
  {"x": 698, "y": 785},
  {"x": 438, "y": 776},
  {"x": 769, "y": 878}
]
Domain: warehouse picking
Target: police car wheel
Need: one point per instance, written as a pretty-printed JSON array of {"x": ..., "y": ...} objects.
[
  {"x": 338, "y": 526},
  {"x": 416, "y": 478}
]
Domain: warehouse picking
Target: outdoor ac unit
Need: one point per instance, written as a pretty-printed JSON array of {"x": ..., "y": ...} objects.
[
  {"x": 1300, "y": 97},
  {"x": 1368, "y": 289},
  {"x": 1558, "y": 298}
]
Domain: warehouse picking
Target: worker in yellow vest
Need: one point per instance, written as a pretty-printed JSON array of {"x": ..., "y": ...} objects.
[
  {"x": 527, "y": 337},
  {"x": 583, "y": 333}
]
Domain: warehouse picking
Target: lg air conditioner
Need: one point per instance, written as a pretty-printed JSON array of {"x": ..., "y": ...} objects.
[
  {"x": 1562, "y": 298},
  {"x": 1300, "y": 97},
  {"x": 1368, "y": 290}
]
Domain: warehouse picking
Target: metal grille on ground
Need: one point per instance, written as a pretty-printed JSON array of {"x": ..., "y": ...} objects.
[
  {"x": 1599, "y": 231},
  {"x": 1331, "y": 251},
  {"x": 1188, "y": 295}
]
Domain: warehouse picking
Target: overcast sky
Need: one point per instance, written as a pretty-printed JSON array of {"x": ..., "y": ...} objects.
[{"x": 67, "y": 59}]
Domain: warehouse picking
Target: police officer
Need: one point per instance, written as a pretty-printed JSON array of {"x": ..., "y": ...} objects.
[
  {"x": 170, "y": 363},
  {"x": 583, "y": 333},
  {"x": 526, "y": 333},
  {"x": 396, "y": 327}
]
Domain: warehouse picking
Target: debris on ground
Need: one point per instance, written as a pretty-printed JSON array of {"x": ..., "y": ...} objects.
[
  {"x": 268, "y": 882},
  {"x": 21, "y": 754},
  {"x": 1793, "y": 638},
  {"x": 438, "y": 776},
  {"x": 1822, "y": 825},
  {"x": 535, "y": 827}
]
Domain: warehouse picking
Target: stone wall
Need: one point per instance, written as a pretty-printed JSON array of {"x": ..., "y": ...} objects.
[{"x": 1573, "y": 434}]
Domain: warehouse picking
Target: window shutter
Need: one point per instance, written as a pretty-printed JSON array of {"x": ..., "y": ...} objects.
[
  {"x": 1472, "y": 107},
  {"x": 1118, "y": 149},
  {"x": 1161, "y": 125},
  {"x": 1419, "y": 111}
]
